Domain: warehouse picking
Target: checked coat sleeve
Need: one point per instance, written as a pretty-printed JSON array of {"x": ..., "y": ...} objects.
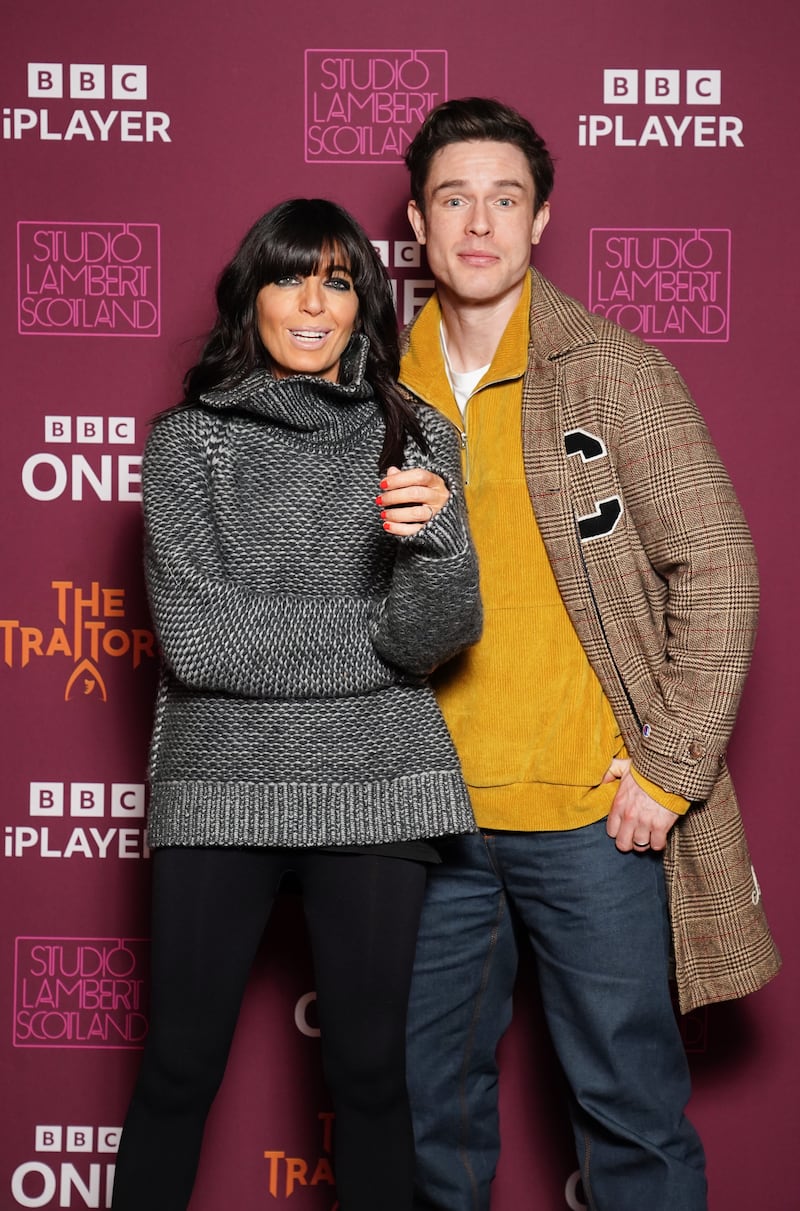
[{"x": 683, "y": 509}]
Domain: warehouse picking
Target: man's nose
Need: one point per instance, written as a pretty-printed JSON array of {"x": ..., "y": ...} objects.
[{"x": 480, "y": 219}]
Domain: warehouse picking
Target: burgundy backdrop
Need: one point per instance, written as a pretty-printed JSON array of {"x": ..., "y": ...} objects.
[{"x": 138, "y": 144}]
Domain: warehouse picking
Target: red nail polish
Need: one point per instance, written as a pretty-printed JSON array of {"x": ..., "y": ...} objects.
[
  {"x": 383, "y": 512},
  {"x": 378, "y": 500},
  {"x": 384, "y": 483},
  {"x": 387, "y": 525}
]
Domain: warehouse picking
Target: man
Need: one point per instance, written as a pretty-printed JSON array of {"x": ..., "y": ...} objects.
[{"x": 620, "y": 597}]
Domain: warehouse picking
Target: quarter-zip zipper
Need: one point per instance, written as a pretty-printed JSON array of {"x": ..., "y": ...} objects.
[
  {"x": 465, "y": 440},
  {"x": 465, "y": 448},
  {"x": 461, "y": 430}
]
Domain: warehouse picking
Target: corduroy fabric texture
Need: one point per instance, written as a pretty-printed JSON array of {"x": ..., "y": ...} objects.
[{"x": 296, "y": 633}]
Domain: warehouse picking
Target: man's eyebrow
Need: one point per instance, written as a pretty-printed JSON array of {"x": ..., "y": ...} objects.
[{"x": 460, "y": 183}]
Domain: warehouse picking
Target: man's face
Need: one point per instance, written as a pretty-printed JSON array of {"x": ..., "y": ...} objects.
[{"x": 479, "y": 224}]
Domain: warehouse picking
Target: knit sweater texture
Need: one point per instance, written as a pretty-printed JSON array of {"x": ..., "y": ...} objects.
[{"x": 296, "y": 633}]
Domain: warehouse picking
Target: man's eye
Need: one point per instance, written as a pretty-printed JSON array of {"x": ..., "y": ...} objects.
[
  {"x": 454, "y": 202},
  {"x": 506, "y": 202}
]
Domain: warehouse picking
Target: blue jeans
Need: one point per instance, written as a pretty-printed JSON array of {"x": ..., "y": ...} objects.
[{"x": 597, "y": 922}]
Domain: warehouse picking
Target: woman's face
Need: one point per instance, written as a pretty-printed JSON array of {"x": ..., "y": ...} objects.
[{"x": 305, "y": 322}]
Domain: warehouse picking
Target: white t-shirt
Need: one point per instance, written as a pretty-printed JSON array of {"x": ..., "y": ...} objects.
[{"x": 463, "y": 383}]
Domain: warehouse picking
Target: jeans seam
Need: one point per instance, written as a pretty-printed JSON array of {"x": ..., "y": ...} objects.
[
  {"x": 463, "y": 1149},
  {"x": 587, "y": 1186}
]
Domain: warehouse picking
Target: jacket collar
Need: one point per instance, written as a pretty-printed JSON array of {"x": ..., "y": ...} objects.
[
  {"x": 557, "y": 326},
  {"x": 558, "y": 323},
  {"x": 423, "y": 368}
]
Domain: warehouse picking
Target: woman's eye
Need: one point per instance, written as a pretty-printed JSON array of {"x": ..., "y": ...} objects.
[
  {"x": 339, "y": 283},
  {"x": 292, "y": 280}
]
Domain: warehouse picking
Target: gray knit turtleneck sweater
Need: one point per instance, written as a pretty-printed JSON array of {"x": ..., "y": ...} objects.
[{"x": 296, "y": 633}]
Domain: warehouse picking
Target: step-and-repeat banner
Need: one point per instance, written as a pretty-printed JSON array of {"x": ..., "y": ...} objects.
[{"x": 138, "y": 143}]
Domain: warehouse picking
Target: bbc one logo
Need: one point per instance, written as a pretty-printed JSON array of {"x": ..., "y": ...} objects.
[
  {"x": 91, "y": 83},
  {"x": 81, "y": 820},
  {"x": 657, "y": 88},
  {"x": 85, "y": 473},
  {"x": 88, "y": 279},
  {"x": 665, "y": 284},
  {"x": 365, "y": 106},
  {"x": 74, "y": 1167}
]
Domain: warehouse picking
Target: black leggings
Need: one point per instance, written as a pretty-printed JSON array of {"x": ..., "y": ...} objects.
[{"x": 210, "y": 907}]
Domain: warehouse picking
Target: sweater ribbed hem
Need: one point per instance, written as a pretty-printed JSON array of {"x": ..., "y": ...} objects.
[{"x": 305, "y": 815}]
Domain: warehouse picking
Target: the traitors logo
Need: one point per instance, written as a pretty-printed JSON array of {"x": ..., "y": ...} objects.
[
  {"x": 665, "y": 284},
  {"x": 365, "y": 106},
  {"x": 91, "y": 625},
  {"x": 286, "y": 1175}
]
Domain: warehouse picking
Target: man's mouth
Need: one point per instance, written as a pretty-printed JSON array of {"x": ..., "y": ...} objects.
[{"x": 478, "y": 258}]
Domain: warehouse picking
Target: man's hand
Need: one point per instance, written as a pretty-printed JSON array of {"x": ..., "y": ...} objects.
[
  {"x": 635, "y": 821},
  {"x": 408, "y": 500}
]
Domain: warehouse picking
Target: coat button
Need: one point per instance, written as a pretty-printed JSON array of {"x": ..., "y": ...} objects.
[{"x": 696, "y": 750}]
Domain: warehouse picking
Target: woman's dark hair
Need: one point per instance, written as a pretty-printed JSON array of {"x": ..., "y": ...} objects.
[
  {"x": 298, "y": 237},
  {"x": 473, "y": 119}
]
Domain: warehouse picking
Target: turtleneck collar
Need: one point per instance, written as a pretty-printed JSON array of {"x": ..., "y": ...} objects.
[{"x": 305, "y": 402}]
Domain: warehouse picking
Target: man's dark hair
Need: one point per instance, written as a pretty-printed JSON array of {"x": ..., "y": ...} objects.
[{"x": 467, "y": 121}]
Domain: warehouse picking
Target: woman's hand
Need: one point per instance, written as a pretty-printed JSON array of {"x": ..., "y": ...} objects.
[{"x": 408, "y": 500}]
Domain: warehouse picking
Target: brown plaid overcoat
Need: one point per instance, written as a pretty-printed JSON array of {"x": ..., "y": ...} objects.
[{"x": 656, "y": 567}]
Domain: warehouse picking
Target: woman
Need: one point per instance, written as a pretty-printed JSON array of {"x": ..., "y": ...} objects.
[{"x": 299, "y": 600}]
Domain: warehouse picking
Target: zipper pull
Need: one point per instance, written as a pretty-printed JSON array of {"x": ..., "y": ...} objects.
[{"x": 465, "y": 451}]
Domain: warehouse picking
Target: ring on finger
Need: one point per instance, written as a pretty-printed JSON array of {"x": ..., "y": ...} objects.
[
  {"x": 641, "y": 844},
  {"x": 430, "y": 511}
]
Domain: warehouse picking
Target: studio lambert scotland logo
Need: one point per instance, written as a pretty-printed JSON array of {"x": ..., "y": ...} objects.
[
  {"x": 665, "y": 284},
  {"x": 80, "y": 992},
  {"x": 365, "y": 106},
  {"x": 89, "y": 279}
]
